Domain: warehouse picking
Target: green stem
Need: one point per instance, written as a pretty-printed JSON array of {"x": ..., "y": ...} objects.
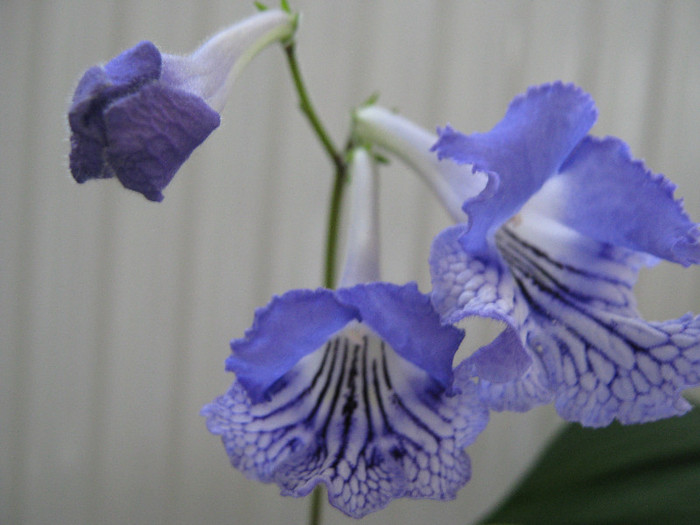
[
  {"x": 315, "y": 506},
  {"x": 329, "y": 278},
  {"x": 336, "y": 156},
  {"x": 309, "y": 111}
]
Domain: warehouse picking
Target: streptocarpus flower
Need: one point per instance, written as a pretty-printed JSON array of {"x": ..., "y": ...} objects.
[
  {"x": 140, "y": 116},
  {"x": 554, "y": 238},
  {"x": 352, "y": 388}
]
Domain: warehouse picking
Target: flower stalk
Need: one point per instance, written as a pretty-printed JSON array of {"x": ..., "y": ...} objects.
[{"x": 337, "y": 158}]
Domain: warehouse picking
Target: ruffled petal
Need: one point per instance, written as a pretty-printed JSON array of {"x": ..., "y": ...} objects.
[
  {"x": 606, "y": 195},
  {"x": 151, "y": 133},
  {"x": 519, "y": 154},
  {"x": 290, "y": 327},
  {"x": 602, "y": 361},
  {"x": 359, "y": 418},
  {"x": 464, "y": 286},
  {"x": 407, "y": 321}
]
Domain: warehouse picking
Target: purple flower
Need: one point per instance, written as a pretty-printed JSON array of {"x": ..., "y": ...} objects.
[
  {"x": 352, "y": 388},
  {"x": 140, "y": 116},
  {"x": 557, "y": 225}
]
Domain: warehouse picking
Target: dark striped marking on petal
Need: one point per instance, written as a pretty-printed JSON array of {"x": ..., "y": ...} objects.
[
  {"x": 602, "y": 359},
  {"x": 357, "y": 417}
]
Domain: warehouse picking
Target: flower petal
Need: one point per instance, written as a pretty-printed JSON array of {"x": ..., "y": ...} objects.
[
  {"x": 290, "y": 327},
  {"x": 407, "y": 321},
  {"x": 98, "y": 87},
  {"x": 606, "y": 195},
  {"x": 465, "y": 286},
  {"x": 136, "y": 66},
  {"x": 521, "y": 394},
  {"x": 602, "y": 360},
  {"x": 500, "y": 361},
  {"x": 666, "y": 361},
  {"x": 151, "y": 133},
  {"x": 519, "y": 154},
  {"x": 125, "y": 72},
  {"x": 86, "y": 160},
  {"x": 359, "y": 418}
]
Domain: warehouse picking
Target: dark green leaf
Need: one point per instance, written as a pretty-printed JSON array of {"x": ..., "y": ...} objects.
[{"x": 638, "y": 474}]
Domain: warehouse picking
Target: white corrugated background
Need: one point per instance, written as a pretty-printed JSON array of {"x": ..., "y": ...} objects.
[{"x": 116, "y": 312}]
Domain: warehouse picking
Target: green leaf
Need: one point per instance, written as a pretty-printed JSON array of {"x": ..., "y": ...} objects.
[{"x": 637, "y": 474}]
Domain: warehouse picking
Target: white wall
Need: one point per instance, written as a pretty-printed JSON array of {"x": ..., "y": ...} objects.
[{"x": 115, "y": 312}]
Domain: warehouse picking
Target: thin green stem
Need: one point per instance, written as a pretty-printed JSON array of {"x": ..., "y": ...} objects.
[
  {"x": 307, "y": 108},
  {"x": 329, "y": 277},
  {"x": 336, "y": 156},
  {"x": 315, "y": 506}
]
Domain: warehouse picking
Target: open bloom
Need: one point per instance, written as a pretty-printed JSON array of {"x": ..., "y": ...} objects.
[
  {"x": 352, "y": 388},
  {"x": 140, "y": 116},
  {"x": 557, "y": 225}
]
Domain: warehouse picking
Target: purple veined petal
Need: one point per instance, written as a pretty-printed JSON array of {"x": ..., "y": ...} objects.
[
  {"x": 357, "y": 417},
  {"x": 406, "y": 320},
  {"x": 519, "y": 154},
  {"x": 151, "y": 133},
  {"x": 465, "y": 286},
  {"x": 647, "y": 389},
  {"x": 602, "y": 361},
  {"x": 606, "y": 195},
  {"x": 290, "y": 327}
]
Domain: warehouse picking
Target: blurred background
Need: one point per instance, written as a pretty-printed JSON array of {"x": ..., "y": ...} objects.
[{"x": 116, "y": 312}]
